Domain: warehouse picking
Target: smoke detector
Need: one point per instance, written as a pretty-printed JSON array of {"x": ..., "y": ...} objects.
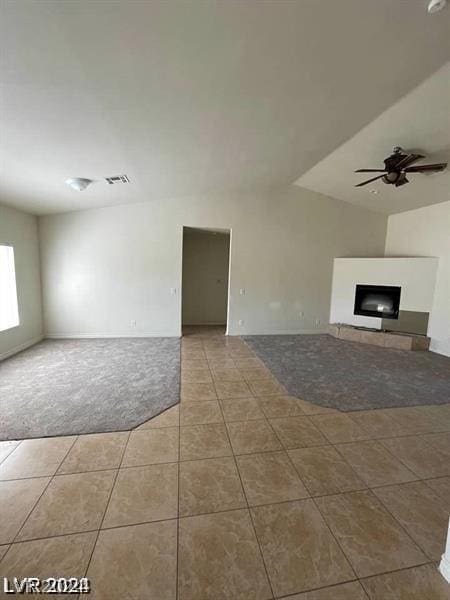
[
  {"x": 118, "y": 179},
  {"x": 436, "y": 5},
  {"x": 78, "y": 183}
]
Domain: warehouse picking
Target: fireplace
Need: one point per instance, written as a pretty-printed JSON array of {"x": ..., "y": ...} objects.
[{"x": 381, "y": 301}]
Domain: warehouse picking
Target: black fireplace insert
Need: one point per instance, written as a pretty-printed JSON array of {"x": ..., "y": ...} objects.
[{"x": 377, "y": 301}]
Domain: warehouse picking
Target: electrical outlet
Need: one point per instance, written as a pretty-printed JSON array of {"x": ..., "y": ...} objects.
[
  {"x": 318, "y": 321},
  {"x": 242, "y": 291},
  {"x": 301, "y": 313},
  {"x": 173, "y": 291},
  {"x": 133, "y": 323},
  {"x": 240, "y": 322}
]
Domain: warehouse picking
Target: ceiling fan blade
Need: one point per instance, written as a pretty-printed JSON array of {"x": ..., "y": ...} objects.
[
  {"x": 423, "y": 168},
  {"x": 369, "y": 181},
  {"x": 370, "y": 171},
  {"x": 408, "y": 160}
]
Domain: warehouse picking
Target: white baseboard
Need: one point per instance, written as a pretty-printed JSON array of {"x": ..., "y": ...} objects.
[
  {"x": 74, "y": 336},
  {"x": 21, "y": 347},
  {"x": 99, "y": 335},
  {"x": 440, "y": 347},
  {"x": 444, "y": 568},
  {"x": 214, "y": 324},
  {"x": 281, "y": 332}
]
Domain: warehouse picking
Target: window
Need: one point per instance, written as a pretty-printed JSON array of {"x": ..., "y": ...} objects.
[{"x": 9, "y": 311}]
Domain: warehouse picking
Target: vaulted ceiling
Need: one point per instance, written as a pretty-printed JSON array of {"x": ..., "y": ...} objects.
[
  {"x": 419, "y": 122},
  {"x": 187, "y": 97}
]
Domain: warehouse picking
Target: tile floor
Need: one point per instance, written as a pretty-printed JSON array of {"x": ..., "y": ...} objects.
[{"x": 239, "y": 492}]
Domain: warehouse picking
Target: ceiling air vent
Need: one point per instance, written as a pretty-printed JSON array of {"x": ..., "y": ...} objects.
[{"x": 118, "y": 179}]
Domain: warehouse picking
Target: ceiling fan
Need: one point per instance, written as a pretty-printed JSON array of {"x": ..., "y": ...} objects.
[{"x": 397, "y": 166}]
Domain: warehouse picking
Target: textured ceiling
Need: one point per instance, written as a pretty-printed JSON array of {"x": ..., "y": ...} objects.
[{"x": 188, "y": 97}]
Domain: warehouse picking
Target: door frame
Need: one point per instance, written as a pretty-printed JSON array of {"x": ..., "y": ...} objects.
[{"x": 227, "y": 230}]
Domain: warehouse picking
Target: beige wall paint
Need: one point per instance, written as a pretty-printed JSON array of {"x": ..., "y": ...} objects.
[
  {"x": 205, "y": 277},
  {"x": 426, "y": 232},
  {"x": 20, "y": 230},
  {"x": 103, "y": 269}
]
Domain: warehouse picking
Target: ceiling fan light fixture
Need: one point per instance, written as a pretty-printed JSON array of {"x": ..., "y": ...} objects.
[
  {"x": 391, "y": 177},
  {"x": 78, "y": 183},
  {"x": 402, "y": 180}
]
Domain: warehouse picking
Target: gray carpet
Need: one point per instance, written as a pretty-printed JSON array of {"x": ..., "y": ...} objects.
[
  {"x": 352, "y": 376},
  {"x": 61, "y": 387}
]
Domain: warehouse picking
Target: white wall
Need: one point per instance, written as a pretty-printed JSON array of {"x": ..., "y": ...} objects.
[
  {"x": 416, "y": 277},
  {"x": 20, "y": 230},
  {"x": 104, "y": 268},
  {"x": 426, "y": 232},
  {"x": 205, "y": 277}
]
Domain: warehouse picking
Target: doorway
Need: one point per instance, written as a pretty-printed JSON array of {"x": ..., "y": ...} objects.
[{"x": 206, "y": 265}]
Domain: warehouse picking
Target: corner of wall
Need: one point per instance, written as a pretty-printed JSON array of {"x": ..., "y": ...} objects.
[{"x": 21, "y": 229}]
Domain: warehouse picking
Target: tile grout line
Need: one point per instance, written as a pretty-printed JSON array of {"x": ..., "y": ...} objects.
[
  {"x": 308, "y": 416},
  {"x": 247, "y": 503},
  {"x": 326, "y": 587},
  {"x": 330, "y": 443},
  {"x": 10, "y": 453},
  {"x": 140, "y": 427},
  {"x": 60, "y": 535},
  {"x": 430, "y": 478},
  {"x": 361, "y": 580},
  {"x": 391, "y": 453},
  {"x": 52, "y": 477},
  {"x": 335, "y": 446},
  {"x": 351, "y": 413},
  {"x": 389, "y": 437},
  {"x": 387, "y": 509},
  {"x": 369, "y": 489},
  {"x": 430, "y": 562},
  {"x": 395, "y": 520},
  {"x": 366, "y": 486},
  {"x": 107, "y": 505},
  {"x": 300, "y": 416},
  {"x": 370, "y": 438},
  {"x": 317, "y": 508},
  {"x": 319, "y": 589}
]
